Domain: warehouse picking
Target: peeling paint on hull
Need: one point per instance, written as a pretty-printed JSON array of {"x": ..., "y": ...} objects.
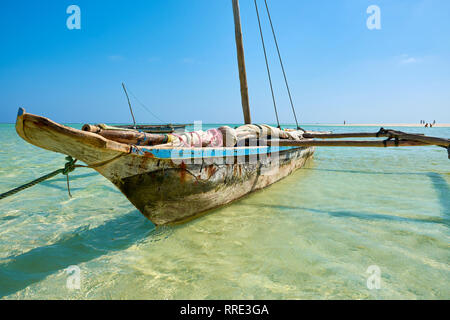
[{"x": 176, "y": 194}]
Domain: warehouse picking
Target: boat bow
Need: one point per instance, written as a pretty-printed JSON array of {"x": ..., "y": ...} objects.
[{"x": 85, "y": 146}]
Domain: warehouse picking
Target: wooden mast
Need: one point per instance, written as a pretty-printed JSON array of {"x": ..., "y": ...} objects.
[
  {"x": 241, "y": 63},
  {"x": 129, "y": 104}
]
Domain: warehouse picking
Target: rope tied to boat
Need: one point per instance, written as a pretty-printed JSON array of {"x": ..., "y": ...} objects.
[{"x": 69, "y": 167}]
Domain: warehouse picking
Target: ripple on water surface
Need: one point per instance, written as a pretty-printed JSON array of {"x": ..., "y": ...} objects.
[{"x": 312, "y": 235}]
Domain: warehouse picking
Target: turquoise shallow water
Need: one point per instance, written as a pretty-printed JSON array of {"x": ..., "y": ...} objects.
[{"x": 312, "y": 235}]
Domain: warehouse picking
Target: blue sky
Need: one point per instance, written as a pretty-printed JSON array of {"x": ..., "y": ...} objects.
[{"x": 178, "y": 57}]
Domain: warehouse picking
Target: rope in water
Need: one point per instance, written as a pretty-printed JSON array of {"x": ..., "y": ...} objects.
[{"x": 68, "y": 168}]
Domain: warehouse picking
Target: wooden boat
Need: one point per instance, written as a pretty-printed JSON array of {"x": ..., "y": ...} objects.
[
  {"x": 157, "y": 128},
  {"x": 172, "y": 184},
  {"x": 168, "y": 185}
]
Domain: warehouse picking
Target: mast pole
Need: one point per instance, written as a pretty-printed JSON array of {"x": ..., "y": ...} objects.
[
  {"x": 129, "y": 104},
  {"x": 241, "y": 63}
]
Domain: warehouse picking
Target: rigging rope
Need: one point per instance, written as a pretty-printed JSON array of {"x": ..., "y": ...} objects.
[
  {"x": 267, "y": 64},
  {"x": 143, "y": 105},
  {"x": 281, "y": 63}
]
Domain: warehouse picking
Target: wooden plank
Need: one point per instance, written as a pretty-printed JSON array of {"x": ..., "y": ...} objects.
[
  {"x": 128, "y": 136},
  {"x": 346, "y": 135},
  {"x": 383, "y": 133},
  {"x": 425, "y": 139},
  {"x": 344, "y": 143},
  {"x": 151, "y": 126},
  {"x": 241, "y": 63}
]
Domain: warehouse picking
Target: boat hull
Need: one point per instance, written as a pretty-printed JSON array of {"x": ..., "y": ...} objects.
[
  {"x": 163, "y": 186},
  {"x": 173, "y": 193}
]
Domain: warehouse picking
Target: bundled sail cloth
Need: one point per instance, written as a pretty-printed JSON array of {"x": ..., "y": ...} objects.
[
  {"x": 221, "y": 137},
  {"x": 197, "y": 139},
  {"x": 228, "y": 137}
]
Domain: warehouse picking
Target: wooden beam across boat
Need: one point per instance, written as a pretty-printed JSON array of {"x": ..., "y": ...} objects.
[
  {"x": 422, "y": 138},
  {"x": 127, "y": 136},
  {"x": 345, "y": 143},
  {"x": 382, "y": 133},
  {"x": 319, "y": 135}
]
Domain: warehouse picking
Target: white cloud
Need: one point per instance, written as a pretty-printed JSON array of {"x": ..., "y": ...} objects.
[
  {"x": 406, "y": 59},
  {"x": 409, "y": 60}
]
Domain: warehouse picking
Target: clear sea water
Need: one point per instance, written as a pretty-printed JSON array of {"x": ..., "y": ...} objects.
[{"x": 312, "y": 235}]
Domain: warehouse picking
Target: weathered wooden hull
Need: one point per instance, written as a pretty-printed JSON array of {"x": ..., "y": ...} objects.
[
  {"x": 173, "y": 193},
  {"x": 164, "y": 128},
  {"x": 164, "y": 188}
]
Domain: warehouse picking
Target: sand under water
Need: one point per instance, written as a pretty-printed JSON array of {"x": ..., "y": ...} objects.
[{"x": 312, "y": 235}]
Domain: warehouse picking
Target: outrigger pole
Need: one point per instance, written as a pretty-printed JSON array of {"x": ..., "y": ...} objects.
[
  {"x": 241, "y": 63},
  {"x": 394, "y": 139}
]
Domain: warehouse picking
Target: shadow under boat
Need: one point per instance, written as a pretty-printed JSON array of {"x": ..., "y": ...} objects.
[
  {"x": 75, "y": 247},
  {"x": 439, "y": 183},
  {"x": 360, "y": 215},
  {"x": 442, "y": 190}
]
